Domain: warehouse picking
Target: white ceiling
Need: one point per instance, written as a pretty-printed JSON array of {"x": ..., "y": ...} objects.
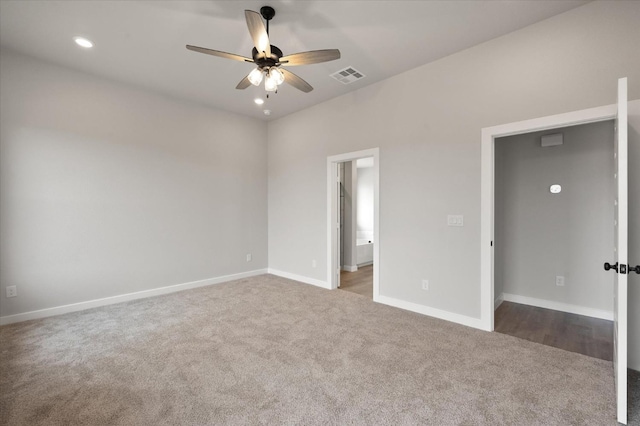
[{"x": 143, "y": 42}]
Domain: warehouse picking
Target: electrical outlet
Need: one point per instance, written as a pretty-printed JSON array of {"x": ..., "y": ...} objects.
[
  {"x": 314, "y": 263},
  {"x": 425, "y": 284},
  {"x": 559, "y": 281},
  {"x": 12, "y": 291},
  {"x": 249, "y": 257}
]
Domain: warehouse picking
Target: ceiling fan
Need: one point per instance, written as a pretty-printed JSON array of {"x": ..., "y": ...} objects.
[{"x": 269, "y": 59}]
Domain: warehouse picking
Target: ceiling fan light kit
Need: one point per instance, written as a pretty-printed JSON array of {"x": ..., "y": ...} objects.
[
  {"x": 255, "y": 77},
  {"x": 270, "y": 84},
  {"x": 269, "y": 58}
]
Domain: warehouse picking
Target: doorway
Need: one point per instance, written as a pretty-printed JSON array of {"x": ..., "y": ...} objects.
[
  {"x": 342, "y": 253},
  {"x": 487, "y": 203},
  {"x": 356, "y": 211},
  {"x": 554, "y": 209}
]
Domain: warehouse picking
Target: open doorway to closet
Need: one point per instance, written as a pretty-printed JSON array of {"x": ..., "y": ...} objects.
[
  {"x": 353, "y": 231},
  {"x": 554, "y": 209}
]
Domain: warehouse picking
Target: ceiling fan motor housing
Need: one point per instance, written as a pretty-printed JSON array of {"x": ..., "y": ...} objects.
[{"x": 267, "y": 62}]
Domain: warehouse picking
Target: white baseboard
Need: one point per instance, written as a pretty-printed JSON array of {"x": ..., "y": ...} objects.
[
  {"x": 432, "y": 312},
  {"x": 58, "y": 310},
  {"x": 559, "y": 306},
  {"x": 498, "y": 301},
  {"x": 302, "y": 279},
  {"x": 350, "y": 268},
  {"x": 397, "y": 303},
  {"x": 365, "y": 263}
]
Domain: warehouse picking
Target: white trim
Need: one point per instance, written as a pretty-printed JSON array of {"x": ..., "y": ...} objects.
[
  {"x": 332, "y": 209},
  {"x": 365, "y": 264},
  {"x": 301, "y": 278},
  {"x": 487, "y": 158},
  {"x": 498, "y": 301},
  {"x": 350, "y": 268},
  {"x": 81, "y": 306},
  {"x": 559, "y": 306},
  {"x": 432, "y": 312},
  {"x": 621, "y": 295}
]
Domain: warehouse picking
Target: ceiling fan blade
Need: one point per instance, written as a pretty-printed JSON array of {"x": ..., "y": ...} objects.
[
  {"x": 244, "y": 83},
  {"x": 258, "y": 32},
  {"x": 296, "y": 81},
  {"x": 219, "y": 53},
  {"x": 311, "y": 57}
]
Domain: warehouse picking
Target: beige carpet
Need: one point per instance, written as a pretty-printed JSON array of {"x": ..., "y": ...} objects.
[{"x": 267, "y": 350}]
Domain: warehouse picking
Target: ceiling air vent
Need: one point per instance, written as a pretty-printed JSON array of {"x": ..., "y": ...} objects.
[{"x": 348, "y": 75}]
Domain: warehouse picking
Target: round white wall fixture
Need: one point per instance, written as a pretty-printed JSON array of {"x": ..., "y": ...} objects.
[
  {"x": 83, "y": 42},
  {"x": 555, "y": 189}
]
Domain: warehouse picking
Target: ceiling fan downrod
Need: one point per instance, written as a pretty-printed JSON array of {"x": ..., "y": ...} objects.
[{"x": 267, "y": 13}]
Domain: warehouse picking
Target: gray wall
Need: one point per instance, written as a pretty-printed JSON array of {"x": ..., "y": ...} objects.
[
  {"x": 539, "y": 235},
  {"x": 427, "y": 123},
  {"x": 107, "y": 190}
]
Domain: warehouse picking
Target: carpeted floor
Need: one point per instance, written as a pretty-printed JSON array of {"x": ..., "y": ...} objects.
[{"x": 267, "y": 350}]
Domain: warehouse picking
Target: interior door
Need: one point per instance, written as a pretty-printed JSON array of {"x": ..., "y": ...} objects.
[{"x": 620, "y": 254}]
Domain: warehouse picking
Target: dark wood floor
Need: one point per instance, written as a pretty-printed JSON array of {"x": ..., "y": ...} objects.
[
  {"x": 360, "y": 281},
  {"x": 576, "y": 333}
]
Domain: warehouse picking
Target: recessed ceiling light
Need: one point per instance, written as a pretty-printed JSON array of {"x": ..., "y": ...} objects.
[
  {"x": 83, "y": 42},
  {"x": 267, "y": 112},
  {"x": 555, "y": 189},
  {"x": 258, "y": 101}
]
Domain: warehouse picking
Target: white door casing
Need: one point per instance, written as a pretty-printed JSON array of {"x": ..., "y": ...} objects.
[
  {"x": 620, "y": 255},
  {"x": 489, "y": 134}
]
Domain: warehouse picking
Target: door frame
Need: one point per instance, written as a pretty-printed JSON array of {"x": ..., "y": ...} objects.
[
  {"x": 487, "y": 188},
  {"x": 621, "y": 255},
  {"x": 332, "y": 214}
]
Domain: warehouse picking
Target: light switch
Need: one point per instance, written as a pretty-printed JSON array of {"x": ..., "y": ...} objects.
[{"x": 455, "y": 220}]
